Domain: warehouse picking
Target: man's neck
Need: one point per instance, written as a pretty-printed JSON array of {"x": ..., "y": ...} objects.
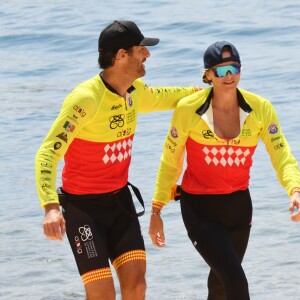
[{"x": 116, "y": 81}]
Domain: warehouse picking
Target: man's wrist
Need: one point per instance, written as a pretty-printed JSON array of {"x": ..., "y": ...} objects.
[{"x": 51, "y": 206}]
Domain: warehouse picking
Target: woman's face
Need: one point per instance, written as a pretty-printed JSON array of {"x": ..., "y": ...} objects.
[{"x": 225, "y": 76}]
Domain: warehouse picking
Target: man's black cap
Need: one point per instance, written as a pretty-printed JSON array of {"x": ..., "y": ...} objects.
[
  {"x": 213, "y": 54},
  {"x": 123, "y": 35}
]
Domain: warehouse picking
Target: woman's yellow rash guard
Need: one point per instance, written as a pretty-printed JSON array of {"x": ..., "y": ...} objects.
[
  {"x": 94, "y": 132},
  {"x": 216, "y": 165}
]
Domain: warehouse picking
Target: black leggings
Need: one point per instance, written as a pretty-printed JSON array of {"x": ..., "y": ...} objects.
[{"x": 219, "y": 228}]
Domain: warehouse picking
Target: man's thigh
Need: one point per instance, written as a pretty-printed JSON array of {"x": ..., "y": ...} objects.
[{"x": 88, "y": 243}]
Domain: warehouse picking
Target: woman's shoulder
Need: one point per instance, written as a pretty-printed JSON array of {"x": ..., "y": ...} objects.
[
  {"x": 260, "y": 106},
  {"x": 253, "y": 98}
]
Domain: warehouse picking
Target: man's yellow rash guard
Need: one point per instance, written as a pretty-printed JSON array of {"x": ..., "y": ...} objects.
[
  {"x": 216, "y": 165},
  {"x": 94, "y": 133}
]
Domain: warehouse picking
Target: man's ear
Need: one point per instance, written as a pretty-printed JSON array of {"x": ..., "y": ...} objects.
[{"x": 120, "y": 54}]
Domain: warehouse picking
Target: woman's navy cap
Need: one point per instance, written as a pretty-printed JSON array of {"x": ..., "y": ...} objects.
[
  {"x": 123, "y": 35},
  {"x": 213, "y": 54}
]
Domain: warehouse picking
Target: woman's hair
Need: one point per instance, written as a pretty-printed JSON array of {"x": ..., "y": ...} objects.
[
  {"x": 106, "y": 59},
  {"x": 204, "y": 78}
]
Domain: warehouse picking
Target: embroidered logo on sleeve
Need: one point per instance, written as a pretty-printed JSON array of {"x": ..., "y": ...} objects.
[
  {"x": 174, "y": 132},
  {"x": 273, "y": 128},
  {"x": 69, "y": 126}
]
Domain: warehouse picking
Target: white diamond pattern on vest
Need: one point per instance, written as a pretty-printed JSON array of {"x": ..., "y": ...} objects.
[
  {"x": 116, "y": 152},
  {"x": 225, "y": 156}
]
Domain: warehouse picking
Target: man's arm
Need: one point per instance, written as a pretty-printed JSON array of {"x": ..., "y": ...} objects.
[{"x": 160, "y": 98}]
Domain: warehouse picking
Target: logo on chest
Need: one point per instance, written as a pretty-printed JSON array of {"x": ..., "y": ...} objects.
[
  {"x": 225, "y": 156},
  {"x": 117, "y": 151}
]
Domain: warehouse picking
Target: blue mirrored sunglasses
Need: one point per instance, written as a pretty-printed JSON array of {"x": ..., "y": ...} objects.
[{"x": 222, "y": 71}]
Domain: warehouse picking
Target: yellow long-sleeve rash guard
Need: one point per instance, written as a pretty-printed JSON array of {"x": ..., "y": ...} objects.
[
  {"x": 216, "y": 165},
  {"x": 94, "y": 132}
]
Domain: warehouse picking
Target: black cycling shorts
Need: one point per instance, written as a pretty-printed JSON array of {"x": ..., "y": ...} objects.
[
  {"x": 219, "y": 228},
  {"x": 100, "y": 228}
]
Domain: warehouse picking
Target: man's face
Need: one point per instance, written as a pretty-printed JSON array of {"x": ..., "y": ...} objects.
[{"x": 136, "y": 58}]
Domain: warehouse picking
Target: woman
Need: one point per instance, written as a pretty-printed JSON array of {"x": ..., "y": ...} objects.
[{"x": 219, "y": 128}]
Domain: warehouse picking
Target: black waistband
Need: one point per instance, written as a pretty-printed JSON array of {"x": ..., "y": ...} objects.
[{"x": 64, "y": 196}]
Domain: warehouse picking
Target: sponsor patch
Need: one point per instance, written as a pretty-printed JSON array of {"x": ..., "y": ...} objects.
[
  {"x": 69, "y": 126},
  {"x": 124, "y": 132},
  {"x": 208, "y": 134},
  {"x": 174, "y": 132},
  {"x": 171, "y": 141},
  {"x": 63, "y": 136},
  {"x": 57, "y": 145},
  {"x": 246, "y": 132},
  {"x": 276, "y": 138},
  {"x": 279, "y": 146},
  {"x": 79, "y": 110},
  {"x": 169, "y": 147},
  {"x": 273, "y": 128},
  {"x": 86, "y": 239},
  {"x": 115, "y": 107},
  {"x": 130, "y": 102}
]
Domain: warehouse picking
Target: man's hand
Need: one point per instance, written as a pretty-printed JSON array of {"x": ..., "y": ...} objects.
[{"x": 54, "y": 223}]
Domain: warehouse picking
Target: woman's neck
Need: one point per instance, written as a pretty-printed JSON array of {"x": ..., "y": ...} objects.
[{"x": 225, "y": 100}]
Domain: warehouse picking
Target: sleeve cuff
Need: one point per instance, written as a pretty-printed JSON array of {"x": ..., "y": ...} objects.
[
  {"x": 294, "y": 190},
  {"x": 157, "y": 204}
]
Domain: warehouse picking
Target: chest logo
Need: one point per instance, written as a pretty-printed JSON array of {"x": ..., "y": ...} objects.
[
  {"x": 116, "y": 121},
  {"x": 225, "y": 156},
  {"x": 117, "y": 152},
  {"x": 208, "y": 134}
]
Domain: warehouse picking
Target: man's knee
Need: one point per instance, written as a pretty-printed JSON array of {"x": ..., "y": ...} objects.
[
  {"x": 137, "y": 289},
  {"x": 100, "y": 289},
  {"x": 132, "y": 279}
]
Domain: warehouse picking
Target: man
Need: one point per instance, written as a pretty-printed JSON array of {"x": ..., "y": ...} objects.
[{"x": 94, "y": 132}]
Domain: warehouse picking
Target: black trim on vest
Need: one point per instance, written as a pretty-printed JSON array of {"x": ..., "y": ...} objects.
[
  {"x": 242, "y": 103},
  {"x": 109, "y": 87}
]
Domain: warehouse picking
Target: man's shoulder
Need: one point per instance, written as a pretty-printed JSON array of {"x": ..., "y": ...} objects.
[
  {"x": 91, "y": 83},
  {"x": 91, "y": 87},
  {"x": 139, "y": 84}
]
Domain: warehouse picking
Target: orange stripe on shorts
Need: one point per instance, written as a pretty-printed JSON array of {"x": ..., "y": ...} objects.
[
  {"x": 96, "y": 275},
  {"x": 129, "y": 256}
]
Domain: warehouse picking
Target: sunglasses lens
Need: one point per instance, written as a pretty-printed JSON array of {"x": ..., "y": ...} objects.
[{"x": 222, "y": 71}]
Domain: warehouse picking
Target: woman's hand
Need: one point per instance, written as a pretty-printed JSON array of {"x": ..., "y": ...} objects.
[
  {"x": 156, "y": 229},
  {"x": 295, "y": 203}
]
